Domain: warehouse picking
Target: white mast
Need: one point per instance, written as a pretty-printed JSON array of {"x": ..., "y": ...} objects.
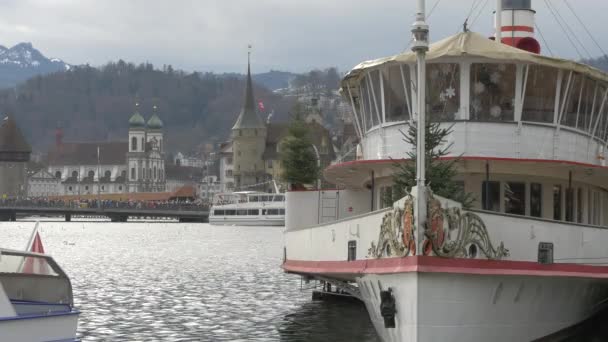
[
  {"x": 498, "y": 34},
  {"x": 420, "y": 46}
]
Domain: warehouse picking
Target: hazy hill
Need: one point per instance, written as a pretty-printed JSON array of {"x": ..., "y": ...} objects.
[
  {"x": 96, "y": 103},
  {"x": 22, "y": 62},
  {"x": 600, "y": 62}
]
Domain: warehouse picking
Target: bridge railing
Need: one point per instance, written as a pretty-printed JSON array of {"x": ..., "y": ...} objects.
[{"x": 90, "y": 204}]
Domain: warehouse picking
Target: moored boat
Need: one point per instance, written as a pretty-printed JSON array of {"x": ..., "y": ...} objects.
[
  {"x": 529, "y": 133},
  {"x": 36, "y": 302},
  {"x": 248, "y": 208}
]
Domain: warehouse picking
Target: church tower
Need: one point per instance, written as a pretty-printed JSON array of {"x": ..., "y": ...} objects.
[
  {"x": 248, "y": 142},
  {"x": 136, "y": 156},
  {"x": 155, "y": 162}
]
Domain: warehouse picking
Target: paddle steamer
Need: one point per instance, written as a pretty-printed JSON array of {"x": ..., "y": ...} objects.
[{"x": 530, "y": 131}]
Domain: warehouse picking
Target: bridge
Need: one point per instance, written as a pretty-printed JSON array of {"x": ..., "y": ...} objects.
[{"x": 116, "y": 212}]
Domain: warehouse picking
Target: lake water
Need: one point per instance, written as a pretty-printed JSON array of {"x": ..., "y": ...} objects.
[
  {"x": 196, "y": 282},
  {"x": 187, "y": 282}
]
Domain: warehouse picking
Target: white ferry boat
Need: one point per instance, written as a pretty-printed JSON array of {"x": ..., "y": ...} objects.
[
  {"x": 36, "y": 302},
  {"x": 248, "y": 208},
  {"x": 531, "y": 257}
]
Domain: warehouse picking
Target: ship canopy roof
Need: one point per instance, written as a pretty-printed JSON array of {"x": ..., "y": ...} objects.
[{"x": 473, "y": 45}]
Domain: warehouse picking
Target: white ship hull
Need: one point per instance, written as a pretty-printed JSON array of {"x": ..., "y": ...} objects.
[
  {"x": 459, "y": 307},
  {"x": 247, "y": 221},
  {"x": 57, "y": 327}
]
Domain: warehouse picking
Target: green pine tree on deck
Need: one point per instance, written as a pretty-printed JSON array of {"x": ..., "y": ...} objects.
[
  {"x": 440, "y": 173},
  {"x": 297, "y": 155}
]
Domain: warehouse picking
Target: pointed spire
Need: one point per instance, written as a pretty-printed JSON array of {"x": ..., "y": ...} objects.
[{"x": 248, "y": 118}]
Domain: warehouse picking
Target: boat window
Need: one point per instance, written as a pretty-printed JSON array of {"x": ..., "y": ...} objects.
[
  {"x": 596, "y": 208},
  {"x": 253, "y": 212},
  {"x": 571, "y": 93},
  {"x": 366, "y": 105},
  {"x": 281, "y": 211},
  {"x": 272, "y": 211},
  {"x": 600, "y": 120},
  {"x": 536, "y": 200},
  {"x": 443, "y": 91},
  {"x": 492, "y": 92},
  {"x": 218, "y": 212},
  {"x": 279, "y": 198},
  {"x": 374, "y": 78},
  {"x": 396, "y": 92},
  {"x": 579, "y": 206},
  {"x": 570, "y": 204},
  {"x": 589, "y": 94},
  {"x": 490, "y": 195},
  {"x": 13, "y": 263},
  {"x": 515, "y": 198},
  {"x": 241, "y": 212},
  {"x": 557, "y": 202},
  {"x": 539, "y": 99},
  {"x": 230, "y": 212}
]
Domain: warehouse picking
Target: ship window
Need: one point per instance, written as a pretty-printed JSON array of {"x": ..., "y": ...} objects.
[
  {"x": 253, "y": 212},
  {"x": 366, "y": 105},
  {"x": 589, "y": 93},
  {"x": 570, "y": 204},
  {"x": 374, "y": 79},
  {"x": 536, "y": 199},
  {"x": 579, "y": 205},
  {"x": 515, "y": 198},
  {"x": 443, "y": 91},
  {"x": 545, "y": 253},
  {"x": 539, "y": 100},
  {"x": 557, "y": 202},
  {"x": 272, "y": 212},
  {"x": 352, "y": 250},
  {"x": 241, "y": 212},
  {"x": 279, "y": 199},
  {"x": 230, "y": 212},
  {"x": 490, "y": 195},
  {"x": 571, "y": 94},
  {"x": 281, "y": 211},
  {"x": 492, "y": 92},
  {"x": 396, "y": 92}
]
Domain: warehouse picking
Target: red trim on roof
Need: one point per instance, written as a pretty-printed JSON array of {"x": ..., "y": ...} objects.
[
  {"x": 426, "y": 264},
  {"x": 517, "y": 28},
  {"x": 513, "y": 160}
]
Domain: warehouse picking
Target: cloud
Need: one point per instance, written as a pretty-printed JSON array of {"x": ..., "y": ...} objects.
[{"x": 286, "y": 34}]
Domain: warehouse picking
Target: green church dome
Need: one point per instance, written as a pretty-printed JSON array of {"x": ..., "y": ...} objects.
[
  {"x": 155, "y": 122},
  {"x": 137, "y": 121}
]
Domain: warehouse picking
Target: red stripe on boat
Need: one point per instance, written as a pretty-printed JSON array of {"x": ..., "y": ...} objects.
[{"x": 427, "y": 264}]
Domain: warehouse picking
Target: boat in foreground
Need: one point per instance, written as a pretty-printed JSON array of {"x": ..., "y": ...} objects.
[
  {"x": 529, "y": 136},
  {"x": 248, "y": 208},
  {"x": 36, "y": 302}
]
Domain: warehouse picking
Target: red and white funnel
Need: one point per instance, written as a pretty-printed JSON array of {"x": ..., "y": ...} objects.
[{"x": 515, "y": 24}]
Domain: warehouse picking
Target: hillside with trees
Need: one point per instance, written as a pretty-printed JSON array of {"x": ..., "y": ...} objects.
[
  {"x": 599, "y": 62},
  {"x": 94, "y": 104}
]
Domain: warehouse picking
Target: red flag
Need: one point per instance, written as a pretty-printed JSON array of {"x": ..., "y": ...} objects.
[
  {"x": 35, "y": 265},
  {"x": 261, "y": 106}
]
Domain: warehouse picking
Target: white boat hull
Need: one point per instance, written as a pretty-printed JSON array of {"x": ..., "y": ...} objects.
[
  {"x": 480, "y": 308},
  {"x": 58, "y": 327},
  {"x": 221, "y": 221}
]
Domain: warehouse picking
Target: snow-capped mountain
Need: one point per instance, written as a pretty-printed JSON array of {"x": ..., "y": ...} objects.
[{"x": 23, "y": 61}]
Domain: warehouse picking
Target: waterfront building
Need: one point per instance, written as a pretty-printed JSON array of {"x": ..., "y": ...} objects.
[
  {"x": 43, "y": 184},
  {"x": 14, "y": 155},
  {"x": 136, "y": 165}
]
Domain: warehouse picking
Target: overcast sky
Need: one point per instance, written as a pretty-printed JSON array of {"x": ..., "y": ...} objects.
[{"x": 293, "y": 35}]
